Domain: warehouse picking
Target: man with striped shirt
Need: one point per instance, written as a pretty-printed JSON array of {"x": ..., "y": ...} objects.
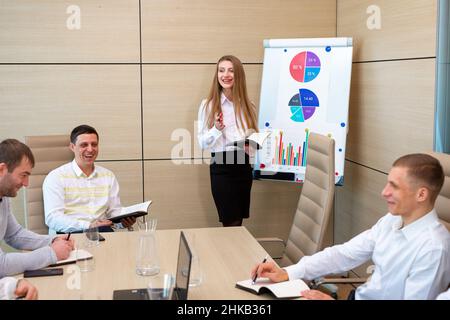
[{"x": 80, "y": 194}]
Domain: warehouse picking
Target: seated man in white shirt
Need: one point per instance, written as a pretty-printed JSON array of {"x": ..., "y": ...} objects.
[
  {"x": 80, "y": 195},
  {"x": 409, "y": 247},
  {"x": 12, "y": 288}
]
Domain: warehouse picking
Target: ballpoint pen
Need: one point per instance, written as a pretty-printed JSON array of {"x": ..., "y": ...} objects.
[
  {"x": 256, "y": 272},
  {"x": 68, "y": 236}
]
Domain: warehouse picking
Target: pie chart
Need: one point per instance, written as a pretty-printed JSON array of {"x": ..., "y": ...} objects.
[
  {"x": 303, "y": 105},
  {"x": 305, "y": 66}
]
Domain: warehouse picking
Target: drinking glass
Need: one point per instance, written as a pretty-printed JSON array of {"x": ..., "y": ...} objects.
[{"x": 160, "y": 287}]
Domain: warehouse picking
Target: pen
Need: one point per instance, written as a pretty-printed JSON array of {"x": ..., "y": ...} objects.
[
  {"x": 256, "y": 272},
  {"x": 68, "y": 236}
]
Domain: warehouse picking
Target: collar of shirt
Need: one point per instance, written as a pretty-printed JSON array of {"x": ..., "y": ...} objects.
[
  {"x": 223, "y": 99},
  {"x": 413, "y": 230},
  {"x": 79, "y": 173}
]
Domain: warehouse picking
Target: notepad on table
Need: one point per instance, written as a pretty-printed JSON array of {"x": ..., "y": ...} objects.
[
  {"x": 281, "y": 290},
  {"x": 77, "y": 254}
]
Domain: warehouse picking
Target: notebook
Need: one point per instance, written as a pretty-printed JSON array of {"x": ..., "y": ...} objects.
[
  {"x": 281, "y": 290},
  {"x": 256, "y": 140},
  {"x": 137, "y": 210},
  {"x": 77, "y": 254},
  {"x": 183, "y": 273}
]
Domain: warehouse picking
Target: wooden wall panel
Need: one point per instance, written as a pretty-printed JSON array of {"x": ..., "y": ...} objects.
[
  {"x": 391, "y": 102},
  {"x": 52, "y": 79},
  {"x": 129, "y": 175},
  {"x": 172, "y": 96},
  {"x": 53, "y": 99},
  {"x": 408, "y": 28},
  {"x": 36, "y": 31},
  {"x": 183, "y": 199},
  {"x": 202, "y": 31},
  {"x": 181, "y": 194},
  {"x": 391, "y": 111},
  {"x": 272, "y": 208},
  {"x": 359, "y": 204}
]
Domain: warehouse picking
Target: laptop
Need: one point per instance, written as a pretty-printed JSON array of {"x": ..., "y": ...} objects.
[{"x": 180, "y": 291}]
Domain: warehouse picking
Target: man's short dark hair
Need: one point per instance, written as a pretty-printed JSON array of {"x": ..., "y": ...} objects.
[
  {"x": 82, "y": 129},
  {"x": 12, "y": 152},
  {"x": 424, "y": 169}
]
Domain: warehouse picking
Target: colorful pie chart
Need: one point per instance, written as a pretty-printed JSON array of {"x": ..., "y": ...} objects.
[
  {"x": 303, "y": 105},
  {"x": 305, "y": 66}
]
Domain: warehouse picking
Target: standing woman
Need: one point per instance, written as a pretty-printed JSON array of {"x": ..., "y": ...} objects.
[{"x": 227, "y": 115}]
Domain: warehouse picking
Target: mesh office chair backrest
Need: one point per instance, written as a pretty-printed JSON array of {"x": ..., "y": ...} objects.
[
  {"x": 315, "y": 204},
  {"x": 49, "y": 152}
]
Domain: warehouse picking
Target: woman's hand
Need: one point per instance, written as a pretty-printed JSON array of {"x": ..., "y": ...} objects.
[{"x": 218, "y": 123}]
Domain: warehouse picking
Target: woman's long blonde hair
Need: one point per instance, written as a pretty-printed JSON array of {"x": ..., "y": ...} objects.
[{"x": 242, "y": 104}]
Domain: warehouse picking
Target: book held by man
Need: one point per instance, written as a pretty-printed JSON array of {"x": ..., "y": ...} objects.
[
  {"x": 137, "y": 210},
  {"x": 255, "y": 139},
  {"x": 281, "y": 290}
]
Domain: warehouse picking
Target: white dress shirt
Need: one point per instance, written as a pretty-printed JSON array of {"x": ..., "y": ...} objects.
[
  {"x": 412, "y": 262},
  {"x": 444, "y": 295},
  {"x": 7, "y": 288},
  {"x": 214, "y": 139},
  {"x": 73, "y": 200}
]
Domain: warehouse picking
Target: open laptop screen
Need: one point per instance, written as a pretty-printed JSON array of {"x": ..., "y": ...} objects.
[
  {"x": 183, "y": 269},
  {"x": 183, "y": 272}
]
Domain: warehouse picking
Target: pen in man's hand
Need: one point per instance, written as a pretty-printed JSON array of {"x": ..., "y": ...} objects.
[
  {"x": 68, "y": 236},
  {"x": 256, "y": 272}
]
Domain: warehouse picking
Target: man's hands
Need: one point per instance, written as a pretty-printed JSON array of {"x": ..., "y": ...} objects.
[
  {"x": 100, "y": 223},
  {"x": 315, "y": 295},
  {"x": 62, "y": 247},
  {"x": 271, "y": 271},
  {"x": 276, "y": 274},
  {"x": 128, "y": 222},
  {"x": 26, "y": 290}
]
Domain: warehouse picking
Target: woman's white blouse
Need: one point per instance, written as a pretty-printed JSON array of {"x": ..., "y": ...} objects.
[{"x": 214, "y": 139}]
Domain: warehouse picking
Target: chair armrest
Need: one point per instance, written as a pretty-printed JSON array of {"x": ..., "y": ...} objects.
[
  {"x": 273, "y": 246},
  {"x": 344, "y": 280},
  {"x": 320, "y": 281},
  {"x": 331, "y": 285}
]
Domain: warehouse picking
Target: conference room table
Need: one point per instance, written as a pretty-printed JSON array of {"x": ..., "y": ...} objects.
[{"x": 226, "y": 256}]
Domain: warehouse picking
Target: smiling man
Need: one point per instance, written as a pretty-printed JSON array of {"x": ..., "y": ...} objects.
[
  {"x": 81, "y": 194},
  {"x": 409, "y": 247},
  {"x": 16, "y": 163}
]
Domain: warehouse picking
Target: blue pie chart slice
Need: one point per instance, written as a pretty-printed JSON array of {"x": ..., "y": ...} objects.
[
  {"x": 297, "y": 114},
  {"x": 308, "y": 98}
]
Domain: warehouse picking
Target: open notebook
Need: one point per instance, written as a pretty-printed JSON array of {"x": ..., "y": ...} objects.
[
  {"x": 281, "y": 290},
  {"x": 256, "y": 140},
  {"x": 77, "y": 254},
  {"x": 137, "y": 210}
]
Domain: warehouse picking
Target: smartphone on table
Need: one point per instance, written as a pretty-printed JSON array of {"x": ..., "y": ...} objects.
[{"x": 43, "y": 272}]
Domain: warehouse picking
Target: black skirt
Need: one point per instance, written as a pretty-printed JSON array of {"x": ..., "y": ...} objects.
[{"x": 231, "y": 184}]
